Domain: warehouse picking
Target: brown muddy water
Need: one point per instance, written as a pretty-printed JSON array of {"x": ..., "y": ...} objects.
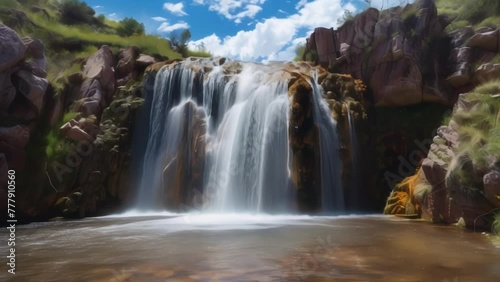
[{"x": 236, "y": 247}]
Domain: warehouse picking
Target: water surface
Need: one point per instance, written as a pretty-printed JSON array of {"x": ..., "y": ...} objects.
[{"x": 200, "y": 247}]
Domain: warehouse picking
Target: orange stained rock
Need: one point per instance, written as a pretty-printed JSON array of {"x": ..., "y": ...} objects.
[
  {"x": 403, "y": 195},
  {"x": 359, "y": 85}
]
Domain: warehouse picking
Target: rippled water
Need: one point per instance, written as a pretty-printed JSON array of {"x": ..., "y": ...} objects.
[{"x": 197, "y": 247}]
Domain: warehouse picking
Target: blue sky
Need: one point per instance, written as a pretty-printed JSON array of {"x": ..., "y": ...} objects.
[{"x": 250, "y": 30}]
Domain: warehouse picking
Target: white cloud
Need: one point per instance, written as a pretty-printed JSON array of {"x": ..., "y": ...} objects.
[
  {"x": 300, "y": 4},
  {"x": 98, "y": 7},
  {"x": 176, "y": 9},
  {"x": 166, "y": 27},
  {"x": 159, "y": 19},
  {"x": 250, "y": 12},
  {"x": 114, "y": 17},
  {"x": 275, "y": 38},
  {"x": 384, "y": 4},
  {"x": 235, "y": 10}
]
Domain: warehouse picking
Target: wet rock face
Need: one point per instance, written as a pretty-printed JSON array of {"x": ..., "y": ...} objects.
[
  {"x": 183, "y": 172},
  {"x": 304, "y": 140}
]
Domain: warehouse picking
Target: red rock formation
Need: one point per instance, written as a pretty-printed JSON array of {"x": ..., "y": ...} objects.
[{"x": 404, "y": 59}]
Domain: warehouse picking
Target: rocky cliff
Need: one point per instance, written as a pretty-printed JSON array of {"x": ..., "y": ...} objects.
[
  {"x": 460, "y": 177},
  {"x": 406, "y": 56},
  {"x": 70, "y": 149},
  {"x": 413, "y": 60}
]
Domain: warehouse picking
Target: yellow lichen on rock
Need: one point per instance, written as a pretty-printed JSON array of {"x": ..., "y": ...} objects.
[{"x": 402, "y": 199}]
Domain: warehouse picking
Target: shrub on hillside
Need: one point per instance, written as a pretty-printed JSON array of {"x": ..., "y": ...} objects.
[
  {"x": 179, "y": 42},
  {"x": 129, "y": 26},
  {"x": 478, "y": 129},
  {"x": 74, "y": 12}
]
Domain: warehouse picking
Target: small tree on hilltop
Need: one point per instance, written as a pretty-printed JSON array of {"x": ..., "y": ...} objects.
[
  {"x": 129, "y": 26},
  {"x": 73, "y": 12},
  {"x": 179, "y": 41},
  {"x": 348, "y": 16}
]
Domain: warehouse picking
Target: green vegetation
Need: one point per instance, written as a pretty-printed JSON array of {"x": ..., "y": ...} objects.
[
  {"x": 74, "y": 12},
  {"x": 495, "y": 228},
  {"x": 300, "y": 51},
  {"x": 57, "y": 147},
  {"x": 446, "y": 118},
  {"x": 179, "y": 41},
  {"x": 479, "y": 131},
  {"x": 347, "y": 17},
  {"x": 129, "y": 26},
  {"x": 496, "y": 59},
  {"x": 470, "y": 13},
  {"x": 71, "y": 32}
]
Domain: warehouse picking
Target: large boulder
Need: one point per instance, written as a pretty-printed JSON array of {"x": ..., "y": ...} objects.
[
  {"x": 12, "y": 48},
  {"x": 487, "y": 40},
  {"x": 145, "y": 60},
  {"x": 427, "y": 19},
  {"x": 127, "y": 59},
  {"x": 91, "y": 88},
  {"x": 487, "y": 72},
  {"x": 325, "y": 46},
  {"x": 491, "y": 183},
  {"x": 364, "y": 28},
  {"x": 13, "y": 140},
  {"x": 36, "y": 51},
  {"x": 82, "y": 129},
  {"x": 32, "y": 88},
  {"x": 17, "y": 135},
  {"x": 7, "y": 91},
  {"x": 100, "y": 66}
]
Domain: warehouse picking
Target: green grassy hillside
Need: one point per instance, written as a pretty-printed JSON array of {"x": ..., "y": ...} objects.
[
  {"x": 71, "y": 31},
  {"x": 470, "y": 13}
]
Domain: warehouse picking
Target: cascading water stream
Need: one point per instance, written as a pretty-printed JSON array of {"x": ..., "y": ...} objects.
[
  {"x": 332, "y": 194},
  {"x": 355, "y": 170},
  {"x": 222, "y": 131},
  {"x": 165, "y": 122}
]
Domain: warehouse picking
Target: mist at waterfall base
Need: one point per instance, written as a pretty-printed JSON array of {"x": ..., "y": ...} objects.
[{"x": 215, "y": 138}]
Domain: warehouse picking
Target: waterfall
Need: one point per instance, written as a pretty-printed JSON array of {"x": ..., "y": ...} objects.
[
  {"x": 219, "y": 140},
  {"x": 332, "y": 193},
  {"x": 355, "y": 169}
]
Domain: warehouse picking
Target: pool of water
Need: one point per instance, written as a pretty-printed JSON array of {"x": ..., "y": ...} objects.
[{"x": 244, "y": 247}]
